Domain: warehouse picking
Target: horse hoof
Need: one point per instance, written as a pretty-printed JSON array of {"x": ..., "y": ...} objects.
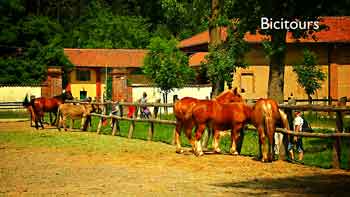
[
  {"x": 179, "y": 151},
  {"x": 217, "y": 150},
  {"x": 199, "y": 154},
  {"x": 265, "y": 160},
  {"x": 235, "y": 153}
]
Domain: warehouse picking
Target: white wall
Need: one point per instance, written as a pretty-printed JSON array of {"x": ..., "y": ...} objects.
[
  {"x": 17, "y": 94},
  {"x": 200, "y": 92}
]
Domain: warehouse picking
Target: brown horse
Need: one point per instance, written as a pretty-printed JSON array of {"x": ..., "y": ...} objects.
[
  {"x": 42, "y": 105},
  {"x": 220, "y": 116},
  {"x": 183, "y": 113},
  {"x": 266, "y": 116}
]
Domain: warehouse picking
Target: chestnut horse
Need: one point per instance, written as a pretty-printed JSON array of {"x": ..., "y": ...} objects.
[
  {"x": 42, "y": 104},
  {"x": 220, "y": 116},
  {"x": 183, "y": 113},
  {"x": 266, "y": 116}
]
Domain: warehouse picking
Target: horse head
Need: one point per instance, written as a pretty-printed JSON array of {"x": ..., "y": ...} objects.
[
  {"x": 67, "y": 95},
  {"x": 229, "y": 96}
]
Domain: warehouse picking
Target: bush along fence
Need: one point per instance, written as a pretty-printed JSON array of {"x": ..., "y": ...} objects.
[{"x": 288, "y": 108}]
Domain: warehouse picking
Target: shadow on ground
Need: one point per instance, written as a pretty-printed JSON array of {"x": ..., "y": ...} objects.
[{"x": 324, "y": 185}]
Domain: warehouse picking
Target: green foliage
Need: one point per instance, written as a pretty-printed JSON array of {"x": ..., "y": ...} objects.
[
  {"x": 166, "y": 65},
  {"x": 309, "y": 74},
  {"x": 223, "y": 60},
  {"x": 100, "y": 28},
  {"x": 40, "y": 41},
  {"x": 185, "y": 18}
]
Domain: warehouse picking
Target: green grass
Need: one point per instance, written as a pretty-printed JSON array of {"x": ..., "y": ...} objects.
[
  {"x": 14, "y": 114},
  {"x": 318, "y": 152}
]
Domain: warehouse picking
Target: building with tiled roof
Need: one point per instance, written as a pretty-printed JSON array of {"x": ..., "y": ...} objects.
[
  {"x": 92, "y": 66},
  {"x": 331, "y": 45}
]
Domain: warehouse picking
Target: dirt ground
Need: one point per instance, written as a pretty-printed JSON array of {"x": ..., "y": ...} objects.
[{"x": 70, "y": 172}]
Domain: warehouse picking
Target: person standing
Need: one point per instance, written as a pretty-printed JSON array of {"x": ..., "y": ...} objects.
[
  {"x": 296, "y": 140},
  {"x": 145, "y": 113}
]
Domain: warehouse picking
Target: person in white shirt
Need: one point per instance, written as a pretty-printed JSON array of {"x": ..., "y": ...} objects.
[{"x": 298, "y": 125}]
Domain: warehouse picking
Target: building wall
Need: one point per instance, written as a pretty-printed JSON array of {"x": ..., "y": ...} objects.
[
  {"x": 254, "y": 79},
  {"x": 89, "y": 86},
  {"x": 18, "y": 93},
  {"x": 153, "y": 93}
]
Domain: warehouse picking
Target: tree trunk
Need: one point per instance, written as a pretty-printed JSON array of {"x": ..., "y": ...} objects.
[
  {"x": 276, "y": 73},
  {"x": 165, "y": 99},
  {"x": 215, "y": 40},
  {"x": 309, "y": 98}
]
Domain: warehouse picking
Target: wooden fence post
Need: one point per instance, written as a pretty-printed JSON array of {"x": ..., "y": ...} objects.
[
  {"x": 337, "y": 142},
  {"x": 131, "y": 128},
  {"x": 101, "y": 120},
  {"x": 150, "y": 131}
]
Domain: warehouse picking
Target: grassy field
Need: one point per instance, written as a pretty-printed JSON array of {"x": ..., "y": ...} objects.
[{"x": 318, "y": 152}]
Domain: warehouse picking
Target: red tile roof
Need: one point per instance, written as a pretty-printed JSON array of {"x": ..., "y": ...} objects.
[
  {"x": 106, "y": 57},
  {"x": 338, "y": 31}
]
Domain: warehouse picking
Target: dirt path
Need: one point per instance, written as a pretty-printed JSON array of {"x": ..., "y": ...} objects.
[{"x": 72, "y": 172}]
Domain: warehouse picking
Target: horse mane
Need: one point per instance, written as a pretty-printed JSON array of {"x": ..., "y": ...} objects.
[
  {"x": 62, "y": 96},
  {"x": 229, "y": 91}
]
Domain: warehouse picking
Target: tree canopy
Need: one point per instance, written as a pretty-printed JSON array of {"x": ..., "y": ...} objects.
[
  {"x": 36, "y": 31},
  {"x": 309, "y": 74},
  {"x": 166, "y": 65}
]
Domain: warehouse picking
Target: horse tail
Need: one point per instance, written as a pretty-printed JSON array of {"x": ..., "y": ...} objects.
[
  {"x": 26, "y": 101},
  {"x": 284, "y": 119},
  {"x": 269, "y": 125}
]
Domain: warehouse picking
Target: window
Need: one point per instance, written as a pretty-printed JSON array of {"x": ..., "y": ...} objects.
[
  {"x": 83, "y": 75},
  {"x": 247, "y": 82}
]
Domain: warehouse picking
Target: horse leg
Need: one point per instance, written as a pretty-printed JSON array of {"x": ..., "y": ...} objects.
[
  {"x": 234, "y": 138},
  {"x": 177, "y": 137},
  {"x": 50, "y": 115},
  {"x": 262, "y": 145},
  {"x": 59, "y": 124},
  {"x": 64, "y": 123},
  {"x": 240, "y": 140},
  {"x": 216, "y": 140},
  {"x": 55, "y": 116},
  {"x": 197, "y": 143},
  {"x": 271, "y": 145}
]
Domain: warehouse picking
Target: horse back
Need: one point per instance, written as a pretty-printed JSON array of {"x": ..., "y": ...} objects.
[
  {"x": 183, "y": 107},
  {"x": 263, "y": 110}
]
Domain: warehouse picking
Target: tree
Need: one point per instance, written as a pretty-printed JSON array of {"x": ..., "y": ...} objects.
[
  {"x": 167, "y": 66},
  {"x": 309, "y": 74},
  {"x": 224, "y": 58},
  {"x": 38, "y": 44},
  {"x": 100, "y": 28}
]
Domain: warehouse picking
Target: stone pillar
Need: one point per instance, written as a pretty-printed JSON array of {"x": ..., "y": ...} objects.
[
  {"x": 98, "y": 83},
  {"x": 53, "y": 84},
  {"x": 333, "y": 73},
  {"x": 120, "y": 89}
]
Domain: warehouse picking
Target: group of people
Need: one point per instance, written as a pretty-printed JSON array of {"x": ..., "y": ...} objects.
[{"x": 144, "y": 110}]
